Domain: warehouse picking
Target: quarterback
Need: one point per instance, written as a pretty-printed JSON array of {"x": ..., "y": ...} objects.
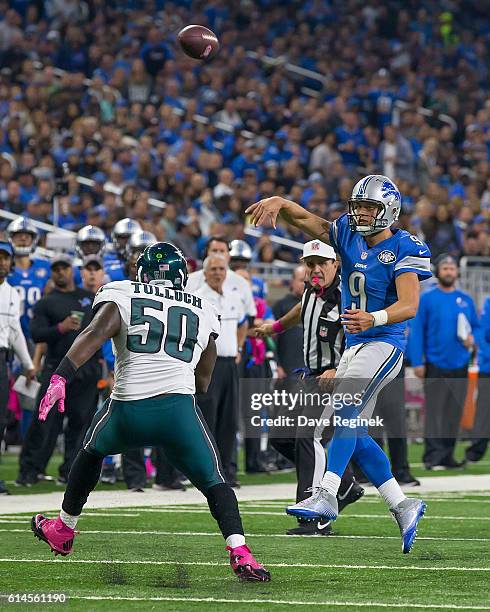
[
  {"x": 381, "y": 270},
  {"x": 165, "y": 351}
]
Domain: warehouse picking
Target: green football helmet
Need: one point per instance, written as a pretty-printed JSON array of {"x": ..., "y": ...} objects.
[{"x": 162, "y": 263}]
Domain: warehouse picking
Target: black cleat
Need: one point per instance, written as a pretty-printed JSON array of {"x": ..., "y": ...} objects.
[
  {"x": 311, "y": 528},
  {"x": 353, "y": 493}
]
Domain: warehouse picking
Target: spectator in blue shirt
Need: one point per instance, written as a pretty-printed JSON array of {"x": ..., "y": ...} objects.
[
  {"x": 350, "y": 141},
  {"x": 481, "y": 426},
  {"x": 442, "y": 341}
]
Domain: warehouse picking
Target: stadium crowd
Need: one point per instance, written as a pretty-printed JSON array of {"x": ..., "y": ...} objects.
[
  {"x": 100, "y": 90},
  {"x": 270, "y": 130}
]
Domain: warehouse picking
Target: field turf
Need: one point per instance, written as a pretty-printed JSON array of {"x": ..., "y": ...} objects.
[{"x": 172, "y": 558}]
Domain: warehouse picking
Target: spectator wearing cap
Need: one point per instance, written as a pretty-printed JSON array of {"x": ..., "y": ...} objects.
[
  {"x": 11, "y": 336},
  {"x": 442, "y": 340},
  {"x": 93, "y": 274},
  {"x": 58, "y": 318}
]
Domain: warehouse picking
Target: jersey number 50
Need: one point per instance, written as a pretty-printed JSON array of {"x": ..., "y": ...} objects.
[{"x": 182, "y": 330}]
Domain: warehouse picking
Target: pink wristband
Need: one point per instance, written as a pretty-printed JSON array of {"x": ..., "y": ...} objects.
[{"x": 277, "y": 327}]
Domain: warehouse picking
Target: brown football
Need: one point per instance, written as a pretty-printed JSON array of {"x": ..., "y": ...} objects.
[{"x": 198, "y": 42}]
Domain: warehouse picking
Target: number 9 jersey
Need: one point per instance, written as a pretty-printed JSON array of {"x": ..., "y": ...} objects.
[
  {"x": 369, "y": 274},
  {"x": 163, "y": 333}
]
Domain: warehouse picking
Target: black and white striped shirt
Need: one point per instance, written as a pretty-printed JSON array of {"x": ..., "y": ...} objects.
[{"x": 323, "y": 335}]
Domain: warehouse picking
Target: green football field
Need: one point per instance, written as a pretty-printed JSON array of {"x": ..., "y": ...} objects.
[{"x": 172, "y": 558}]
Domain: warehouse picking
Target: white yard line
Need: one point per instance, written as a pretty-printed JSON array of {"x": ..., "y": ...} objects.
[
  {"x": 333, "y": 602},
  {"x": 252, "y": 535},
  {"x": 404, "y": 568},
  {"x": 118, "y": 499}
]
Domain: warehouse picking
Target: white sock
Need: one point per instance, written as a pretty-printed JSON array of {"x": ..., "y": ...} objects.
[
  {"x": 235, "y": 539},
  {"x": 392, "y": 494},
  {"x": 68, "y": 519},
  {"x": 330, "y": 482}
]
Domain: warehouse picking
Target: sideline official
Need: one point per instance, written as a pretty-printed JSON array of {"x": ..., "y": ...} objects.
[
  {"x": 323, "y": 345},
  {"x": 220, "y": 404},
  {"x": 11, "y": 337},
  {"x": 58, "y": 319},
  {"x": 442, "y": 336}
]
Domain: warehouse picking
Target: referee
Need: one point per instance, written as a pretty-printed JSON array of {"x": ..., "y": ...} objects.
[
  {"x": 219, "y": 404},
  {"x": 323, "y": 345},
  {"x": 11, "y": 336}
]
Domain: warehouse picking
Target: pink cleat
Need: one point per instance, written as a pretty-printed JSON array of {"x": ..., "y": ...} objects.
[
  {"x": 245, "y": 566},
  {"x": 55, "y": 533}
]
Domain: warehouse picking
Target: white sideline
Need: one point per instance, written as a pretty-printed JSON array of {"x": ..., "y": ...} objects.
[
  {"x": 404, "y": 568},
  {"x": 336, "y": 602},
  {"x": 249, "y": 535},
  {"x": 118, "y": 499}
]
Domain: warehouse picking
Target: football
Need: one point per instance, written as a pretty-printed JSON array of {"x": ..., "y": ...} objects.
[{"x": 198, "y": 42}]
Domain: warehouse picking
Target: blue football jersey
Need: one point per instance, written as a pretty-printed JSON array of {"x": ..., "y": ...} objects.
[
  {"x": 30, "y": 286},
  {"x": 369, "y": 274}
]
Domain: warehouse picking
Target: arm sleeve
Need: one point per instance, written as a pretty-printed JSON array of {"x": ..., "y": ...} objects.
[
  {"x": 41, "y": 328},
  {"x": 413, "y": 256},
  {"x": 474, "y": 321},
  {"x": 16, "y": 338},
  {"x": 417, "y": 335}
]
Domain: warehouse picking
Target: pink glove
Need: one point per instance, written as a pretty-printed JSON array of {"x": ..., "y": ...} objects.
[{"x": 55, "y": 393}]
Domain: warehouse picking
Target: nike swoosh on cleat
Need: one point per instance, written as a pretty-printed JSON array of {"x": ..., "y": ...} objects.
[
  {"x": 342, "y": 497},
  {"x": 324, "y": 526},
  {"x": 422, "y": 252}
]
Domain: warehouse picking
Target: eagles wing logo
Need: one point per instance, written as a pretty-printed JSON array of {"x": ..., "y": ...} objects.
[{"x": 386, "y": 257}]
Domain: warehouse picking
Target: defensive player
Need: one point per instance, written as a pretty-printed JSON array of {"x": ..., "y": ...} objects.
[
  {"x": 381, "y": 268},
  {"x": 164, "y": 341},
  {"x": 30, "y": 274}
]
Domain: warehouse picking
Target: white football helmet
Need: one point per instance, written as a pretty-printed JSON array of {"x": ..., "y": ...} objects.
[
  {"x": 382, "y": 191},
  {"x": 239, "y": 249},
  {"x": 90, "y": 233},
  {"x": 22, "y": 225},
  {"x": 139, "y": 240},
  {"x": 121, "y": 233}
]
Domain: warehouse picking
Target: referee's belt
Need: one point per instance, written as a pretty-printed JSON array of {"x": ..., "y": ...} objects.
[
  {"x": 225, "y": 358},
  {"x": 307, "y": 373},
  {"x": 3, "y": 351}
]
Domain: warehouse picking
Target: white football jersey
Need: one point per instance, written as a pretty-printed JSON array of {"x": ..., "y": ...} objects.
[{"x": 163, "y": 333}]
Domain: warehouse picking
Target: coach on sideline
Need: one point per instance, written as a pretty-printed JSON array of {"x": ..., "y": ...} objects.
[
  {"x": 220, "y": 404},
  {"x": 11, "y": 337},
  {"x": 442, "y": 335},
  {"x": 323, "y": 345},
  {"x": 217, "y": 245}
]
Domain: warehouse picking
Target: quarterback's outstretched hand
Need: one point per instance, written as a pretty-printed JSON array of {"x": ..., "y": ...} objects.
[
  {"x": 55, "y": 393},
  {"x": 266, "y": 211}
]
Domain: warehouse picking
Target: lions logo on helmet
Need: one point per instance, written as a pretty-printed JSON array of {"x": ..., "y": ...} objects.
[
  {"x": 162, "y": 263},
  {"x": 22, "y": 226},
  {"x": 378, "y": 190},
  {"x": 139, "y": 240}
]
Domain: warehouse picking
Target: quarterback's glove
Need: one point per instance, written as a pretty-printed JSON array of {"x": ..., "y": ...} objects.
[{"x": 55, "y": 393}]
